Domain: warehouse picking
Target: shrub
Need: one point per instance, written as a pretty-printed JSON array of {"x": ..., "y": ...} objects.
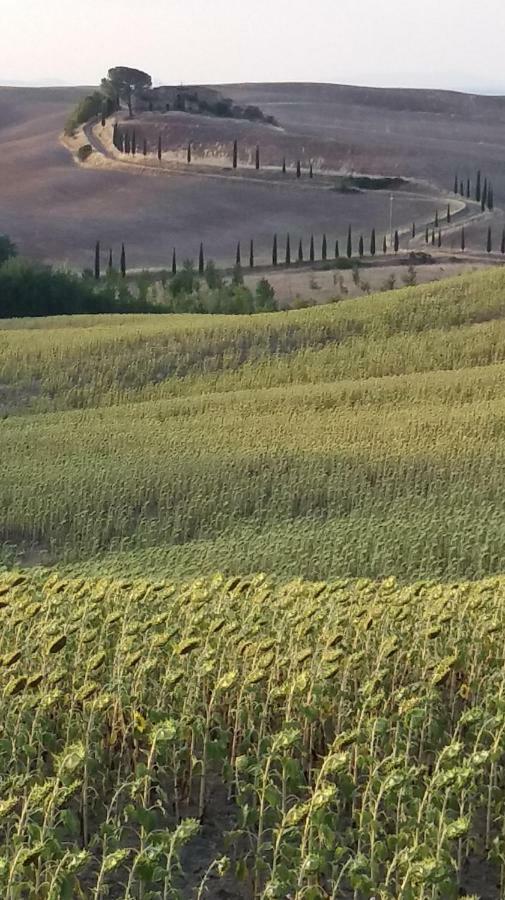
[
  {"x": 84, "y": 152},
  {"x": 7, "y": 249}
]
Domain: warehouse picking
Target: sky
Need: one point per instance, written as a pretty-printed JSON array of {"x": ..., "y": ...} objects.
[{"x": 451, "y": 44}]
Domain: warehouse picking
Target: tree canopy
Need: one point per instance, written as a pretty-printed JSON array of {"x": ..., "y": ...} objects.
[{"x": 124, "y": 82}]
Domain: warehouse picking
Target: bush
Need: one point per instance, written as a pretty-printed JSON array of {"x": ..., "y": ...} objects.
[
  {"x": 7, "y": 249},
  {"x": 84, "y": 152},
  {"x": 93, "y": 105}
]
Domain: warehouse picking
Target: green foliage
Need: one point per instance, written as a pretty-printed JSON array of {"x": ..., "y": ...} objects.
[
  {"x": 84, "y": 152},
  {"x": 8, "y": 250},
  {"x": 90, "y": 106},
  {"x": 356, "y": 438}
]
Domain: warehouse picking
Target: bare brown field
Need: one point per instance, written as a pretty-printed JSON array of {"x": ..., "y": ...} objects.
[{"x": 56, "y": 210}]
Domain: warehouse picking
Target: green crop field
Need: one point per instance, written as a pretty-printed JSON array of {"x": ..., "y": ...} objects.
[
  {"x": 330, "y": 726},
  {"x": 359, "y": 439}
]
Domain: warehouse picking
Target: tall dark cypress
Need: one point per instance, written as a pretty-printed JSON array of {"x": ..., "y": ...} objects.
[
  {"x": 456, "y": 182},
  {"x": 349, "y": 243},
  {"x": 284, "y": 166},
  {"x": 433, "y": 237},
  {"x": 397, "y": 241},
  {"x": 174, "y": 263},
  {"x": 372, "y": 243},
  {"x": 257, "y": 156},
  {"x": 127, "y": 142},
  {"x": 413, "y": 229},
  {"x": 134, "y": 142},
  {"x": 463, "y": 243},
  {"x": 298, "y": 169},
  {"x": 324, "y": 249},
  {"x": 159, "y": 147},
  {"x": 238, "y": 256},
  {"x": 144, "y": 148},
  {"x": 300, "y": 251},
  {"x": 201, "y": 261},
  {"x": 462, "y": 189},
  {"x": 274, "y": 251},
  {"x": 490, "y": 196},
  {"x": 426, "y": 235},
  {"x": 337, "y": 249},
  {"x": 110, "y": 266},
  {"x": 312, "y": 252},
  {"x": 477, "y": 187},
  {"x": 251, "y": 254},
  {"x": 361, "y": 246},
  {"x": 122, "y": 264},
  {"x": 468, "y": 188},
  {"x": 97, "y": 260},
  {"x": 384, "y": 245},
  {"x": 436, "y": 219},
  {"x": 114, "y": 134},
  {"x": 235, "y": 154},
  {"x": 439, "y": 238},
  {"x": 484, "y": 195},
  {"x": 288, "y": 251},
  {"x": 189, "y": 152},
  {"x": 311, "y": 171},
  {"x": 502, "y": 248},
  {"x": 489, "y": 244}
]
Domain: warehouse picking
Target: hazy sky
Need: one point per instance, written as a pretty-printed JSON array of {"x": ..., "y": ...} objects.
[{"x": 433, "y": 43}]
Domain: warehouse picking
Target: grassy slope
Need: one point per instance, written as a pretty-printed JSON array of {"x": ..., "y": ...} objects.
[{"x": 362, "y": 438}]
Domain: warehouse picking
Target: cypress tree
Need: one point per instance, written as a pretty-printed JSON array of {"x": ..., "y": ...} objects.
[
  {"x": 127, "y": 145},
  {"x": 274, "y": 251},
  {"x": 413, "y": 229},
  {"x": 462, "y": 189},
  {"x": 324, "y": 249},
  {"x": 144, "y": 148},
  {"x": 349, "y": 243},
  {"x": 449, "y": 212},
  {"x": 311, "y": 171},
  {"x": 134, "y": 142},
  {"x": 312, "y": 253},
  {"x": 436, "y": 219},
  {"x": 468, "y": 188},
  {"x": 97, "y": 260},
  {"x": 284, "y": 166},
  {"x": 484, "y": 195},
  {"x": 477, "y": 187},
  {"x": 251, "y": 254},
  {"x": 257, "y": 156},
  {"x": 189, "y": 153},
  {"x": 490, "y": 197},
  {"x": 455, "y": 191},
  {"x": 110, "y": 260},
  {"x": 503, "y": 241},
  {"x": 384, "y": 245},
  {"x": 489, "y": 245},
  {"x": 238, "y": 256},
  {"x": 397, "y": 241},
  {"x": 235, "y": 154},
  {"x": 159, "y": 147},
  {"x": 122, "y": 264},
  {"x": 114, "y": 134},
  {"x": 439, "y": 238},
  {"x": 433, "y": 237},
  {"x": 300, "y": 251},
  {"x": 122, "y": 142},
  {"x": 288, "y": 251},
  {"x": 337, "y": 249},
  {"x": 372, "y": 243},
  {"x": 298, "y": 169},
  {"x": 174, "y": 263},
  {"x": 361, "y": 246},
  {"x": 201, "y": 261},
  {"x": 463, "y": 239}
]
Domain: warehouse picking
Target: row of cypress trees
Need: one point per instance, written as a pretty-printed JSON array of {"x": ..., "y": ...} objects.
[
  {"x": 432, "y": 235},
  {"x": 130, "y": 143},
  {"x": 483, "y": 193}
]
